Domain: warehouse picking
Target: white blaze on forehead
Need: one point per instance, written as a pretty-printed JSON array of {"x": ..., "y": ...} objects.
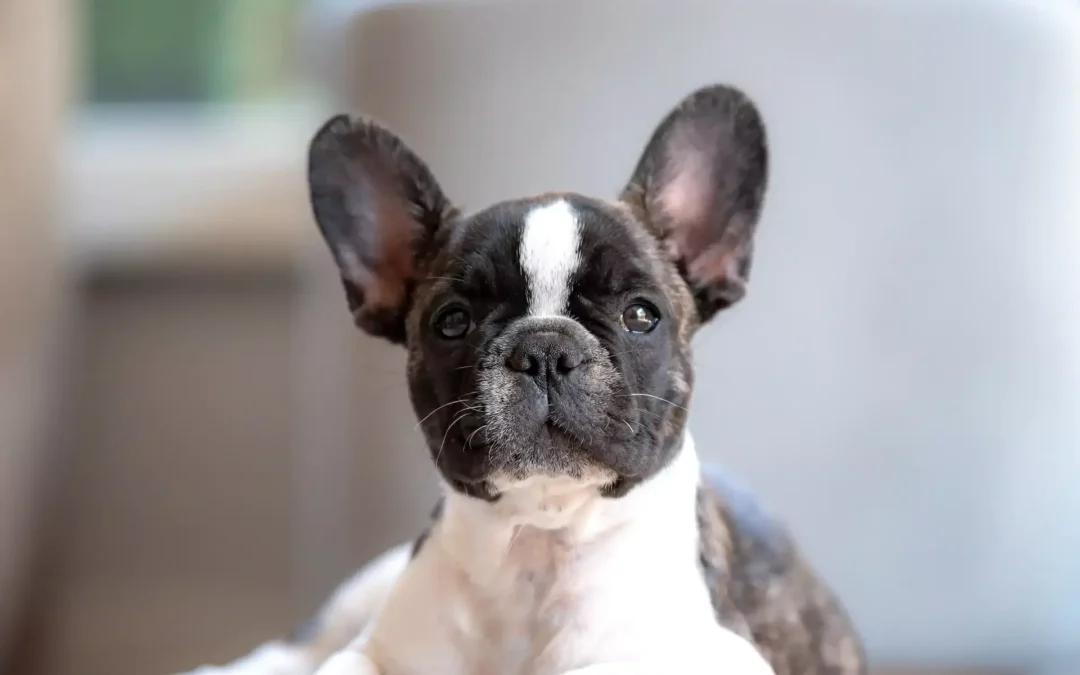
[{"x": 549, "y": 256}]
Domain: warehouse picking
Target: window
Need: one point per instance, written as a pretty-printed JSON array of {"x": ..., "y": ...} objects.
[
  {"x": 189, "y": 51},
  {"x": 190, "y": 128}
]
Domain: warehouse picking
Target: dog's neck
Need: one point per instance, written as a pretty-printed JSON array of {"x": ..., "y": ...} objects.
[{"x": 555, "y": 517}]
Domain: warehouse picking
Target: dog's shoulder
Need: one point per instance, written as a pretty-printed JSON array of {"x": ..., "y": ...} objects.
[
  {"x": 742, "y": 546},
  {"x": 726, "y": 503},
  {"x": 763, "y": 589}
]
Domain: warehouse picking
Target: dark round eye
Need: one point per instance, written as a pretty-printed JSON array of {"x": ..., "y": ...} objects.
[
  {"x": 639, "y": 318},
  {"x": 453, "y": 323}
]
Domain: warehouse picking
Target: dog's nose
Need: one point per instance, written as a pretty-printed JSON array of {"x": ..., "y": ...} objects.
[{"x": 546, "y": 355}]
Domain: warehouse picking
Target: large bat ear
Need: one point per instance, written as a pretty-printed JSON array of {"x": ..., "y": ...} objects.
[
  {"x": 379, "y": 209},
  {"x": 699, "y": 186}
]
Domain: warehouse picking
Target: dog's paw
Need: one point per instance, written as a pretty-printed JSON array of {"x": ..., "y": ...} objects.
[{"x": 348, "y": 662}]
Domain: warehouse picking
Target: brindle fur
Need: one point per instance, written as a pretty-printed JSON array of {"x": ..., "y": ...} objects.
[{"x": 765, "y": 591}]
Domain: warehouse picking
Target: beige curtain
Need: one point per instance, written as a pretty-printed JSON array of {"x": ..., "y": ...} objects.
[{"x": 34, "y": 86}]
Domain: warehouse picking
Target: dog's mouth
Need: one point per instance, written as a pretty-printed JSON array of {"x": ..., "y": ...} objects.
[
  {"x": 518, "y": 426},
  {"x": 486, "y": 451},
  {"x": 555, "y": 446}
]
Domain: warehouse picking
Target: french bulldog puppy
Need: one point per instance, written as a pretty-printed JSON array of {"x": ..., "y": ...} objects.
[{"x": 549, "y": 363}]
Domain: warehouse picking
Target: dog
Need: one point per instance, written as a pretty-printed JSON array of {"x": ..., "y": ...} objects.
[{"x": 548, "y": 341}]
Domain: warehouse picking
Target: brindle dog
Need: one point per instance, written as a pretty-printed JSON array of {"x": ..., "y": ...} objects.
[{"x": 549, "y": 362}]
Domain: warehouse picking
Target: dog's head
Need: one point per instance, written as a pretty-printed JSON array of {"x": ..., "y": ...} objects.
[{"x": 550, "y": 335}]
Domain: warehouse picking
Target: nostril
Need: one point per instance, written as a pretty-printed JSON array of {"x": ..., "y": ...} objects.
[
  {"x": 546, "y": 354},
  {"x": 523, "y": 362},
  {"x": 569, "y": 361}
]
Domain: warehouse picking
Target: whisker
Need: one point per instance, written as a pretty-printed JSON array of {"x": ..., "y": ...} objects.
[
  {"x": 468, "y": 441},
  {"x": 495, "y": 448},
  {"x": 441, "y": 445},
  {"x": 460, "y": 400},
  {"x": 479, "y": 351},
  {"x": 658, "y": 398},
  {"x": 656, "y": 415}
]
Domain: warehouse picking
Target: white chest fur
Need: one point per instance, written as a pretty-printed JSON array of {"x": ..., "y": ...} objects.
[{"x": 554, "y": 578}]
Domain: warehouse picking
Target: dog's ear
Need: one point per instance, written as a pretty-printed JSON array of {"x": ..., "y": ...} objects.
[
  {"x": 379, "y": 208},
  {"x": 699, "y": 187}
]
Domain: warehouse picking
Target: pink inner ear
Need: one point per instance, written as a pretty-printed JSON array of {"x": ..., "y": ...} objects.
[
  {"x": 394, "y": 263},
  {"x": 716, "y": 263},
  {"x": 687, "y": 196}
]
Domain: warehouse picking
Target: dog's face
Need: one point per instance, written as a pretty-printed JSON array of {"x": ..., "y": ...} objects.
[{"x": 548, "y": 336}]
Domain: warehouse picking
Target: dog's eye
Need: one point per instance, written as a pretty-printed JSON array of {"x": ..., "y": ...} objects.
[
  {"x": 453, "y": 323},
  {"x": 639, "y": 318}
]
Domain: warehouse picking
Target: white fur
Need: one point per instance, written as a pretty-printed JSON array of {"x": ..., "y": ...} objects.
[
  {"x": 549, "y": 256},
  {"x": 349, "y": 662},
  {"x": 552, "y": 579},
  {"x": 555, "y": 579}
]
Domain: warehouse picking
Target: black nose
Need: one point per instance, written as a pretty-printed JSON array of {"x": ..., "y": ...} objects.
[{"x": 547, "y": 355}]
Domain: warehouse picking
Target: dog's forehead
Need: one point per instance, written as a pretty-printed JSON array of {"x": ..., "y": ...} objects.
[{"x": 549, "y": 236}]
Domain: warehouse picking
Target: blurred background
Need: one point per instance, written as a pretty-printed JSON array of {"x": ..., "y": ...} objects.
[{"x": 195, "y": 445}]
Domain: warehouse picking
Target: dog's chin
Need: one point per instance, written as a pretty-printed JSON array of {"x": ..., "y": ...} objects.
[{"x": 548, "y": 502}]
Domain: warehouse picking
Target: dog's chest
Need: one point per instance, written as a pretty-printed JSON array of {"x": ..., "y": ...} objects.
[
  {"x": 550, "y": 578},
  {"x": 522, "y": 614},
  {"x": 543, "y": 608},
  {"x": 516, "y": 617}
]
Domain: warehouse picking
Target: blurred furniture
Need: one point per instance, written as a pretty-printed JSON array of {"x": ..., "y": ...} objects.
[
  {"x": 171, "y": 531},
  {"x": 33, "y": 88},
  {"x": 175, "y": 540},
  {"x": 902, "y": 384}
]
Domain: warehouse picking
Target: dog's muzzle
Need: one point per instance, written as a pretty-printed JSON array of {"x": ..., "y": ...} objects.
[
  {"x": 548, "y": 389},
  {"x": 547, "y": 364}
]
